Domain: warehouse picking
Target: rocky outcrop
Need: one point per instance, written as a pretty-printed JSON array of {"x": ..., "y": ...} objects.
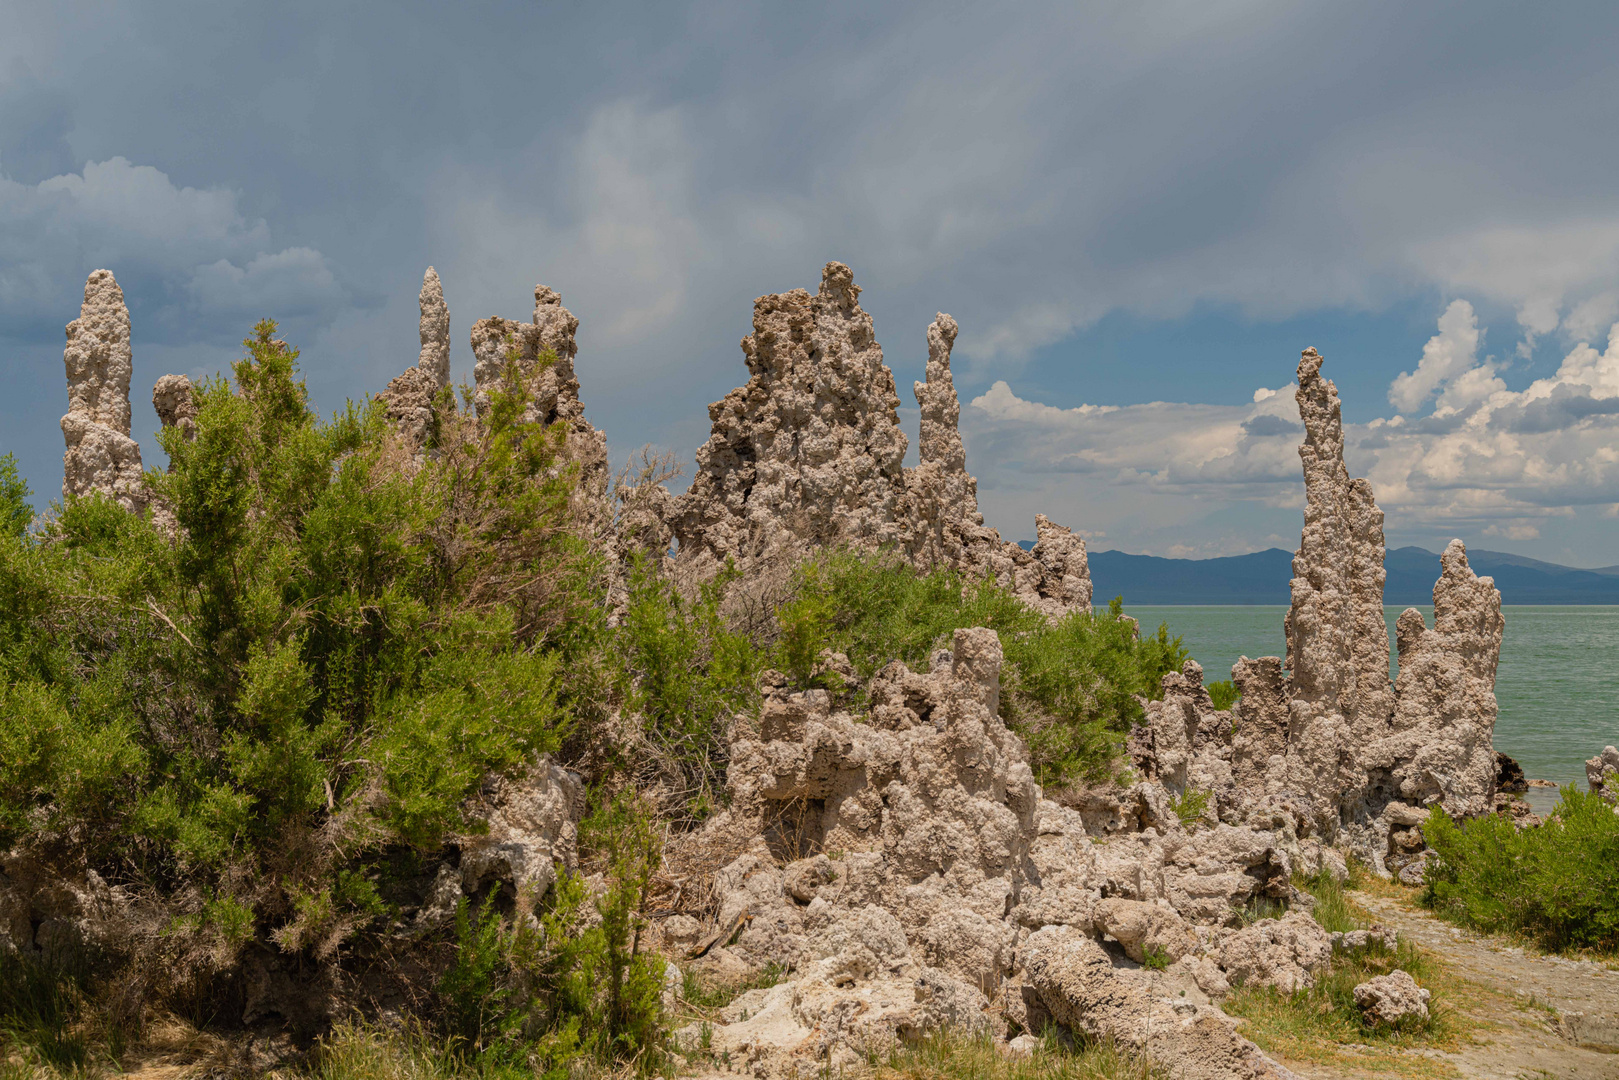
[
  {"x": 408, "y": 399},
  {"x": 1077, "y": 983},
  {"x": 1285, "y": 953},
  {"x": 1509, "y": 775},
  {"x": 1389, "y": 999},
  {"x": 100, "y": 454},
  {"x": 861, "y": 992},
  {"x": 1337, "y": 641},
  {"x": 539, "y": 356},
  {"x": 1440, "y": 748},
  {"x": 176, "y": 404},
  {"x": 922, "y": 816},
  {"x": 1327, "y": 737},
  {"x": 930, "y": 800},
  {"x": 809, "y": 455},
  {"x": 1602, "y": 774},
  {"x": 809, "y": 452}
]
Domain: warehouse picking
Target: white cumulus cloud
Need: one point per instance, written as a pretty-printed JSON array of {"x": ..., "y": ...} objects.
[{"x": 186, "y": 257}]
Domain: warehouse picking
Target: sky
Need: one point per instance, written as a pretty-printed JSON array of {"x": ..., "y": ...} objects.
[{"x": 1139, "y": 214}]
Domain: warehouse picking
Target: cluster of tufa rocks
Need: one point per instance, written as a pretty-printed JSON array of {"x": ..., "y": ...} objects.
[
  {"x": 898, "y": 859},
  {"x": 903, "y": 864},
  {"x": 809, "y": 454}
]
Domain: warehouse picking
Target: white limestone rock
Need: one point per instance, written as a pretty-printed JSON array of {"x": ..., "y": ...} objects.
[
  {"x": 1440, "y": 748},
  {"x": 1389, "y": 999},
  {"x": 100, "y": 454},
  {"x": 1286, "y": 953},
  {"x": 1077, "y": 983},
  {"x": 435, "y": 330}
]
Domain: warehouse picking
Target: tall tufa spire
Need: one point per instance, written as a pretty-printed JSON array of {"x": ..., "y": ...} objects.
[
  {"x": 100, "y": 454},
  {"x": 435, "y": 329}
]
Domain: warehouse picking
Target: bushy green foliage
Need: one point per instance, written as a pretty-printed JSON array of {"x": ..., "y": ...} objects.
[
  {"x": 333, "y": 654},
  {"x": 1558, "y": 883},
  {"x": 16, "y": 513},
  {"x": 685, "y": 674},
  {"x": 563, "y": 988},
  {"x": 1223, "y": 693},
  {"x": 1071, "y": 688}
]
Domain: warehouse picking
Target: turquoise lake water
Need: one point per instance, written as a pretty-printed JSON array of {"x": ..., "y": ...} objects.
[{"x": 1557, "y": 684}]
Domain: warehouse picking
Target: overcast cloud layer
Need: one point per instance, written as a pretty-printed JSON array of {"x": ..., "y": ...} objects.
[{"x": 1033, "y": 169}]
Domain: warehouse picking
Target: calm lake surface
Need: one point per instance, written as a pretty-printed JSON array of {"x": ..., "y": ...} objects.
[{"x": 1557, "y": 684}]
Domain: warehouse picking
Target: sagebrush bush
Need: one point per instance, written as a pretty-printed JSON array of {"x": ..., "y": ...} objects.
[
  {"x": 332, "y": 654},
  {"x": 1558, "y": 883}
]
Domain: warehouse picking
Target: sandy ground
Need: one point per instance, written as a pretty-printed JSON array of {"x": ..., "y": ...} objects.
[{"x": 1544, "y": 1017}]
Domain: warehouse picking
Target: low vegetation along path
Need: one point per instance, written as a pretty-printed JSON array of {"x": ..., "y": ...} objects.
[{"x": 1540, "y": 1016}]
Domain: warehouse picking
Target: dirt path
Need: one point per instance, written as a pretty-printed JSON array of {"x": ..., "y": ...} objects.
[{"x": 1545, "y": 1017}]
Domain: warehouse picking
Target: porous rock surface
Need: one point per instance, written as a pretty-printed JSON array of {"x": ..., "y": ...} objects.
[
  {"x": 175, "y": 404},
  {"x": 1325, "y": 737},
  {"x": 100, "y": 454},
  {"x": 1337, "y": 641},
  {"x": 1440, "y": 747},
  {"x": 434, "y": 329},
  {"x": 1285, "y": 953},
  {"x": 1390, "y": 998},
  {"x": 809, "y": 454},
  {"x": 541, "y": 356},
  {"x": 1079, "y": 985},
  {"x": 1602, "y": 774},
  {"x": 409, "y": 397},
  {"x": 922, "y": 817}
]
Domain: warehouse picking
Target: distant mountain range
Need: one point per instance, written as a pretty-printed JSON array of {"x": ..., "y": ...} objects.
[{"x": 1262, "y": 578}]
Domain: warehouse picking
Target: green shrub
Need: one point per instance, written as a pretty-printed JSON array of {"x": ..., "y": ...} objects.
[
  {"x": 562, "y": 988},
  {"x": 685, "y": 673},
  {"x": 334, "y": 653},
  {"x": 1558, "y": 883},
  {"x": 1190, "y": 806},
  {"x": 1223, "y": 693},
  {"x": 1071, "y": 688},
  {"x": 16, "y": 512}
]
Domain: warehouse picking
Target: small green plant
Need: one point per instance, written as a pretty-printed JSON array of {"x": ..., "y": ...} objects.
[
  {"x": 1155, "y": 958},
  {"x": 1332, "y": 907},
  {"x": 1223, "y": 693},
  {"x": 1190, "y": 806},
  {"x": 955, "y": 1056},
  {"x": 707, "y": 995},
  {"x": 15, "y": 510},
  {"x": 41, "y": 1005},
  {"x": 1558, "y": 883},
  {"x": 562, "y": 989}
]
